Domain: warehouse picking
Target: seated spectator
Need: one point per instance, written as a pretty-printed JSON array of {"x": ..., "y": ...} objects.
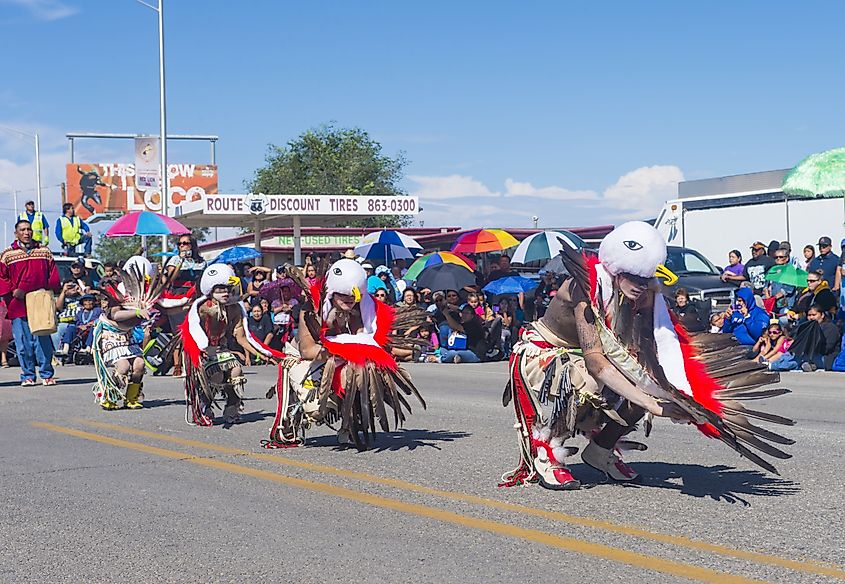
[
  {"x": 816, "y": 344},
  {"x": 111, "y": 277},
  {"x": 259, "y": 279},
  {"x": 260, "y": 324},
  {"x": 444, "y": 300},
  {"x": 466, "y": 341},
  {"x": 67, "y": 303},
  {"x": 544, "y": 293},
  {"x": 430, "y": 354},
  {"x": 780, "y": 343},
  {"x": 781, "y": 296},
  {"x": 733, "y": 272},
  {"x": 797, "y": 263},
  {"x": 381, "y": 295},
  {"x": 746, "y": 321},
  {"x": 474, "y": 300},
  {"x": 687, "y": 313},
  {"x": 86, "y": 318},
  {"x": 766, "y": 341},
  {"x": 717, "y": 320},
  {"x": 81, "y": 276},
  {"x": 816, "y": 292},
  {"x": 409, "y": 297}
]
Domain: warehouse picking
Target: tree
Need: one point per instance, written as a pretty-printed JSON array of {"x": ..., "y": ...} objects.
[{"x": 333, "y": 161}]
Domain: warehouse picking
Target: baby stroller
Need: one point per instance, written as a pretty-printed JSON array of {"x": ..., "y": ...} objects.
[{"x": 78, "y": 352}]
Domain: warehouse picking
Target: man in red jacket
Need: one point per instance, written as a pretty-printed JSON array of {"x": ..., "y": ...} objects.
[{"x": 26, "y": 266}]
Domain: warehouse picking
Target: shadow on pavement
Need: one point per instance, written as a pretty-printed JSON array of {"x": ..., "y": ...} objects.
[
  {"x": 397, "y": 440},
  {"x": 720, "y": 483},
  {"x": 161, "y": 403}
]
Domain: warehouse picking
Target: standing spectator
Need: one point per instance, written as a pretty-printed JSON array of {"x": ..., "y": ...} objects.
[
  {"x": 409, "y": 297},
  {"x": 311, "y": 274},
  {"x": 26, "y": 266},
  {"x": 756, "y": 268},
  {"x": 544, "y": 293},
  {"x": 783, "y": 294},
  {"x": 774, "y": 245},
  {"x": 809, "y": 254},
  {"x": 40, "y": 224},
  {"x": 826, "y": 261},
  {"x": 839, "y": 275},
  {"x": 260, "y": 324},
  {"x": 71, "y": 231},
  {"x": 796, "y": 262},
  {"x": 746, "y": 321},
  {"x": 181, "y": 272},
  {"x": 735, "y": 269}
]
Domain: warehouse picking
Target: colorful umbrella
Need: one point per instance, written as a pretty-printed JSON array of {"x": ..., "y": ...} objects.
[
  {"x": 146, "y": 223},
  {"x": 387, "y": 245},
  {"x": 436, "y": 259},
  {"x": 445, "y": 277},
  {"x": 482, "y": 240},
  {"x": 544, "y": 246},
  {"x": 511, "y": 285},
  {"x": 237, "y": 255},
  {"x": 273, "y": 290},
  {"x": 787, "y": 274},
  {"x": 819, "y": 175}
]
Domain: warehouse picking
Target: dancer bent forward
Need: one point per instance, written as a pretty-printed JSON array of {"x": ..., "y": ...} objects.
[{"x": 607, "y": 352}]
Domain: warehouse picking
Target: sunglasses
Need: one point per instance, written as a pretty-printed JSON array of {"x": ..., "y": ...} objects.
[
  {"x": 774, "y": 332},
  {"x": 381, "y": 295},
  {"x": 781, "y": 257},
  {"x": 184, "y": 243},
  {"x": 812, "y": 281}
]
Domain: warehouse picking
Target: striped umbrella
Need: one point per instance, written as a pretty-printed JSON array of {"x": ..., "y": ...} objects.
[
  {"x": 544, "y": 246},
  {"x": 387, "y": 245},
  {"x": 482, "y": 240},
  {"x": 146, "y": 223},
  {"x": 436, "y": 259}
]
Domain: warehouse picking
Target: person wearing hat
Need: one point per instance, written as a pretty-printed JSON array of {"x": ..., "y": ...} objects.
[
  {"x": 796, "y": 262},
  {"x": 756, "y": 268},
  {"x": 40, "y": 224},
  {"x": 81, "y": 276},
  {"x": 86, "y": 318},
  {"x": 827, "y": 262}
]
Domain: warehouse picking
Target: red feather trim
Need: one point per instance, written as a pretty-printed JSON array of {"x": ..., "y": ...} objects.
[
  {"x": 168, "y": 294},
  {"x": 703, "y": 386},
  {"x": 337, "y": 386},
  {"x": 592, "y": 260},
  {"x": 361, "y": 354},
  {"x": 384, "y": 322},
  {"x": 316, "y": 291},
  {"x": 189, "y": 344}
]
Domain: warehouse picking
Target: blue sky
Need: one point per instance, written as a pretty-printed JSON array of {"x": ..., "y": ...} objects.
[{"x": 580, "y": 113}]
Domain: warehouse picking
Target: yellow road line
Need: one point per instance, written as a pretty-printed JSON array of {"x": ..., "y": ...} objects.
[
  {"x": 565, "y": 543},
  {"x": 810, "y": 566}
]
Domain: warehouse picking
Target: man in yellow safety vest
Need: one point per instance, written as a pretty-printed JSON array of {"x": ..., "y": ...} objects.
[
  {"x": 72, "y": 231},
  {"x": 40, "y": 225}
]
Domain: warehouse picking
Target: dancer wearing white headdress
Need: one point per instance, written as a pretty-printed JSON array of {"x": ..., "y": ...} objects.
[
  {"x": 341, "y": 367},
  {"x": 118, "y": 358},
  {"x": 607, "y": 352},
  {"x": 211, "y": 365}
]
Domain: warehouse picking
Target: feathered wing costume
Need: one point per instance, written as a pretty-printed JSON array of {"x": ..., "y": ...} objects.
[
  {"x": 707, "y": 376},
  {"x": 138, "y": 291},
  {"x": 206, "y": 334},
  {"x": 355, "y": 379}
]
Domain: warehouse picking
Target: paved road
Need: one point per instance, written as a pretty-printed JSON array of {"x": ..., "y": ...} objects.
[{"x": 93, "y": 496}]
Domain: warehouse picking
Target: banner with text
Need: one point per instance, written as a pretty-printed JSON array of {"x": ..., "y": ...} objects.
[
  {"x": 261, "y": 204},
  {"x": 96, "y": 189}
]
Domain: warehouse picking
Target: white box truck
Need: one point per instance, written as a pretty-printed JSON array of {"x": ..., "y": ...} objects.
[{"x": 717, "y": 215}]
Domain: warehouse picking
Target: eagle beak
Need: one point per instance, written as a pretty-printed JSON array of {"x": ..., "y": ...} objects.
[
  {"x": 234, "y": 281},
  {"x": 356, "y": 293},
  {"x": 667, "y": 276}
]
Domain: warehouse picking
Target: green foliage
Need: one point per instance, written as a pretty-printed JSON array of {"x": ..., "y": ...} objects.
[
  {"x": 333, "y": 161},
  {"x": 119, "y": 249}
]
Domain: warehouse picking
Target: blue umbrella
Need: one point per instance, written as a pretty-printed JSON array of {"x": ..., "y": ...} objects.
[
  {"x": 166, "y": 254},
  {"x": 236, "y": 255},
  {"x": 511, "y": 285},
  {"x": 387, "y": 245}
]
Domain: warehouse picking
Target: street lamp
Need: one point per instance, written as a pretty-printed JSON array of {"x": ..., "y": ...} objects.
[
  {"x": 162, "y": 111},
  {"x": 37, "y": 161}
]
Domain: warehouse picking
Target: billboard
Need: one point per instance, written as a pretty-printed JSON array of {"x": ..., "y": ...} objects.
[{"x": 97, "y": 189}]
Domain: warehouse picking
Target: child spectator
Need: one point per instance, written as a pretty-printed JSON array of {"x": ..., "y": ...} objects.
[{"x": 86, "y": 318}]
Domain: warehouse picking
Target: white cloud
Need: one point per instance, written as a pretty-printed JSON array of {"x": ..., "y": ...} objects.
[
  {"x": 449, "y": 187},
  {"x": 644, "y": 189},
  {"x": 45, "y": 9},
  {"x": 476, "y": 212},
  {"x": 526, "y": 189}
]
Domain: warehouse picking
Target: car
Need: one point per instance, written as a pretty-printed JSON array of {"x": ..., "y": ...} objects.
[{"x": 700, "y": 278}]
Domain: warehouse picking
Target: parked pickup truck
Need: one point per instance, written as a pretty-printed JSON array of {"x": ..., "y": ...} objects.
[{"x": 700, "y": 277}]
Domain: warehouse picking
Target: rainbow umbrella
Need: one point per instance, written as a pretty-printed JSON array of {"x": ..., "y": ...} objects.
[
  {"x": 146, "y": 223},
  {"x": 482, "y": 240},
  {"x": 436, "y": 259}
]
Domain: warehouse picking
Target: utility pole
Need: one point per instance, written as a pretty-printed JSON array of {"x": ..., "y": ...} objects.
[
  {"x": 38, "y": 171},
  {"x": 165, "y": 190}
]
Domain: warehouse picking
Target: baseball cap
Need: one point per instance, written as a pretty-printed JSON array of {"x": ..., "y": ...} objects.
[
  {"x": 824, "y": 241},
  {"x": 367, "y": 266},
  {"x": 785, "y": 245},
  {"x": 759, "y": 245}
]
